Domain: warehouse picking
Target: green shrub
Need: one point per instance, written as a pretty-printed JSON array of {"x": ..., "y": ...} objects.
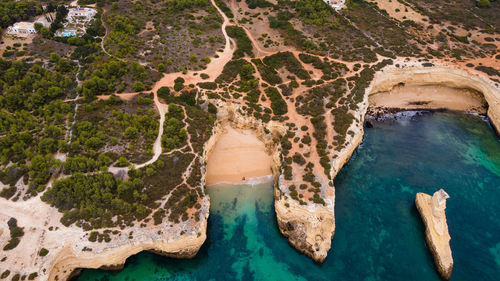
[
  {"x": 208, "y": 85},
  {"x": 122, "y": 162},
  {"x": 43, "y": 252},
  {"x": 16, "y": 233},
  {"x": 212, "y": 108},
  {"x": 158, "y": 216},
  {"x": 93, "y": 236},
  {"x": 163, "y": 92},
  {"x": 244, "y": 45},
  {"x": 138, "y": 86},
  {"x": 178, "y": 84},
  {"x": 278, "y": 105},
  {"x": 131, "y": 132},
  {"x": 483, "y": 3},
  {"x": 298, "y": 158},
  {"x": 161, "y": 67}
]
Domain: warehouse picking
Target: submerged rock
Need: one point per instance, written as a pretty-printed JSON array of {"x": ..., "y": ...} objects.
[{"x": 432, "y": 211}]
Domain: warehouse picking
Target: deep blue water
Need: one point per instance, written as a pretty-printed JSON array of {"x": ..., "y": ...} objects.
[{"x": 379, "y": 234}]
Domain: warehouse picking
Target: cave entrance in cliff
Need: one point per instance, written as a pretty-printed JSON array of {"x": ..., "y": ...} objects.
[
  {"x": 432, "y": 88},
  {"x": 429, "y": 96},
  {"x": 238, "y": 156}
]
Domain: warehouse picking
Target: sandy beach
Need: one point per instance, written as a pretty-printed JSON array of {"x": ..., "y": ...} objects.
[
  {"x": 430, "y": 96},
  {"x": 238, "y": 156}
]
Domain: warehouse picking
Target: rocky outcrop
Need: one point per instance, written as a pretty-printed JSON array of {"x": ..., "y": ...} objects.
[
  {"x": 69, "y": 261},
  {"x": 309, "y": 228},
  {"x": 337, "y": 5},
  {"x": 391, "y": 77},
  {"x": 432, "y": 211}
]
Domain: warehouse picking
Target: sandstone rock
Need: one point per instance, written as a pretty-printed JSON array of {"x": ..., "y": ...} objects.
[
  {"x": 441, "y": 76},
  {"x": 68, "y": 261},
  {"x": 432, "y": 210},
  {"x": 309, "y": 229}
]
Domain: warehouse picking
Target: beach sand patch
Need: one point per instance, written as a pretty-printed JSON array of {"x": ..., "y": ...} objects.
[
  {"x": 430, "y": 97},
  {"x": 238, "y": 156}
]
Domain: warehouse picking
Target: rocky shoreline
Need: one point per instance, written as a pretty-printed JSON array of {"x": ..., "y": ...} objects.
[
  {"x": 445, "y": 77},
  {"x": 68, "y": 262},
  {"x": 309, "y": 228}
]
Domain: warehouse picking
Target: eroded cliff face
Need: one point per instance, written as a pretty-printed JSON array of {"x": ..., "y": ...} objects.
[
  {"x": 231, "y": 114},
  {"x": 442, "y": 76},
  {"x": 432, "y": 211},
  {"x": 70, "y": 259},
  {"x": 309, "y": 228}
]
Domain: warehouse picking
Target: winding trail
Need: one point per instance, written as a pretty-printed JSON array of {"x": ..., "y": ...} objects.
[
  {"x": 104, "y": 39},
  {"x": 255, "y": 43},
  {"x": 69, "y": 131},
  {"x": 215, "y": 68}
]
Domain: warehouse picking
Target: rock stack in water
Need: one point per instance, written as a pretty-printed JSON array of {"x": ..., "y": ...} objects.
[{"x": 432, "y": 210}]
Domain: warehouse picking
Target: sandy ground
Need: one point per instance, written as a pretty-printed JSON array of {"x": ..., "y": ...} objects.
[
  {"x": 9, "y": 40},
  {"x": 418, "y": 96},
  {"x": 404, "y": 12},
  {"x": 237, "y": 157}
]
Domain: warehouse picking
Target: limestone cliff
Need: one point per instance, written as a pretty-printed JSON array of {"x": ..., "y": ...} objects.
[
  {"x": 309, "y": 228},
  {"x": 70, "y": 259},
  {"x": 443, "y": 76},
  {"x": 231, "y": 114},
  {"x": 432, "y": 210}
]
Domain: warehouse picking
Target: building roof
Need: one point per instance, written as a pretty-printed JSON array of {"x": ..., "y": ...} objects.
[
  {"x": 24, "y": 25},
  {"x": 81, "y": 11}
]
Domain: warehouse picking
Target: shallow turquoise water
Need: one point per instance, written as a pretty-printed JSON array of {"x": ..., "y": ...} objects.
[{"x": 379, "y": 235}]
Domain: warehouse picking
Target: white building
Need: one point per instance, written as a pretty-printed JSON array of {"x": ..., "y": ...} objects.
[
  {"x": 22, "y": 27},
  {"x": 336, "y": 4},
  {"x": 81, "y": 14}
]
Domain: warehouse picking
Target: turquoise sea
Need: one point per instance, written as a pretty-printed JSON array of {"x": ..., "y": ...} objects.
[{"x": 379, "y": 234}]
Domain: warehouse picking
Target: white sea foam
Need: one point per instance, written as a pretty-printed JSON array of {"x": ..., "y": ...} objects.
[{"x": 249, "y": 181}]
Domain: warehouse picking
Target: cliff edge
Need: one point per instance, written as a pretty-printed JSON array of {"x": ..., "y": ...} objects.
[{"x": 432, "y": 211}]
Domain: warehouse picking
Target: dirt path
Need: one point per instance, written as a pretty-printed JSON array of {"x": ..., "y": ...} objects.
[
  {"x": 104, "y": 38},
  {"x": 214, "y": 69},
  {"x": 255, "y": 43}
]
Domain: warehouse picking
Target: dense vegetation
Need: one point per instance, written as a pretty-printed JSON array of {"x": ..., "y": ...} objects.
[
  {"x": 288, "y": 60},
  {"x": 60, "y": 120},
  {"x": 12, "y": 11},
  {"x": 244, "y": 44},
  {"x": 277, "y": 103},
  {"x": 127, "y": 129}
]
